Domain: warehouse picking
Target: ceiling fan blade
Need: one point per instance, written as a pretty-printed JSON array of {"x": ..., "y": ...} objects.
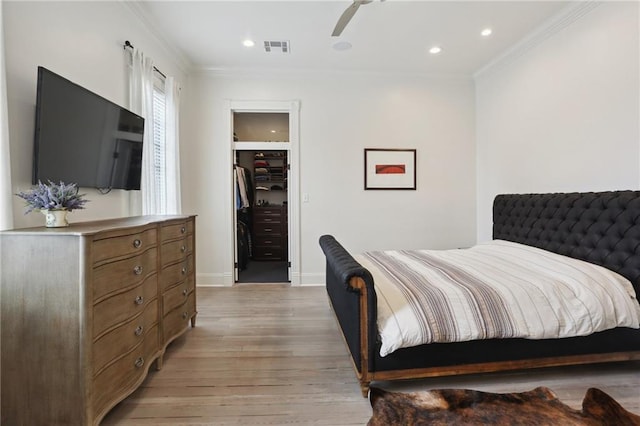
[{"x": 345, "y": 18}]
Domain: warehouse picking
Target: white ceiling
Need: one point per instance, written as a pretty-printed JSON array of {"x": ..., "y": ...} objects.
[{"x": 386, "y": 36}]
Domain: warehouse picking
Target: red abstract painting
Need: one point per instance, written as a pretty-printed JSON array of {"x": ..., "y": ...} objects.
[{"x": 390, "y": 169}]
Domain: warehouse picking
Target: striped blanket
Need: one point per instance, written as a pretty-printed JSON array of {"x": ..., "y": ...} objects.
[{"x": 498, "y": 289}]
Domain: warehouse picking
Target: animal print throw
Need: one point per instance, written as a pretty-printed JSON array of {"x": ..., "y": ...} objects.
[{"x": 537, "y": 407}]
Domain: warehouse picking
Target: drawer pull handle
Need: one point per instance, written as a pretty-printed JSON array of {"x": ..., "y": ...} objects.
[
  {"x": 139, "y": 300},
  {"x": 268, "y": 229},
  {"x": 137, "y": 243},
  {"x": 183, "y": 230},
  {"x": 184, "y": 270},
  {"x": 185, "y": 315},
  {"x": 185, "y": 292},
  {"x": 139, "y": 362},
  {"x": 137, "y": 270},
  {"x": 267, "y": 220},
  {"x": 139, "y": 330},
  {"x": 268, "y": 242},
  {"x": 183, "y": 249},
  {"x": 268, "y": 254}
]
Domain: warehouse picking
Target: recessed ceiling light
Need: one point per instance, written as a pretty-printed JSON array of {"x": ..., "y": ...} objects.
[
  {"x": 342, "y": 45},
  {"x": 248, "y": 43},
  {"x": 273, "y": 131},
  {"x": 435, "y": 50},
  {"x": 486, "y": 32}
]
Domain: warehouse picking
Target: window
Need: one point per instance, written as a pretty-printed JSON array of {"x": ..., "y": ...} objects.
[
  {"x": 261, "y": 126},
  {"x": 159, "y": 142}
]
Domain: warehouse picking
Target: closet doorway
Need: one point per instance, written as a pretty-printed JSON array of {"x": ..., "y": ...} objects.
[
  {"x": 265, "y": 213},
  {"x": 262, "y": 216}
]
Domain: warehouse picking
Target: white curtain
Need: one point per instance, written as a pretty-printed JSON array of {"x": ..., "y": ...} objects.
[
  {"x": 141, "y": 102},
  {"x": 6, "y": 197},
  {"x": 172, "y": 146}
]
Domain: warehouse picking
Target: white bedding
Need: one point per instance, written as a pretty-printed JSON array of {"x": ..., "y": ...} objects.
[{"x": 498, "y": 289}]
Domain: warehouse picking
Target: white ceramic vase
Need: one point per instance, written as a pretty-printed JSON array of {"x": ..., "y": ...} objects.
[{"x": 55, "y": 218}]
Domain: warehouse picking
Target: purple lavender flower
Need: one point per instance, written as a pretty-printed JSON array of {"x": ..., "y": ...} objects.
[{"x": 53, "y": 196}]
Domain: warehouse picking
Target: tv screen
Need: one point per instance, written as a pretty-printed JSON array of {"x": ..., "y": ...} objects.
[{"x": 82, "y": 138}]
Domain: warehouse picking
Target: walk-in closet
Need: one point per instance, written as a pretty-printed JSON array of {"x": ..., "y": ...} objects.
[{"x": 261, "y": 179}]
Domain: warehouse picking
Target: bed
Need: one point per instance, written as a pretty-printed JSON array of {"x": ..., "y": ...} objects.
[{"x": 600, "y": 228}]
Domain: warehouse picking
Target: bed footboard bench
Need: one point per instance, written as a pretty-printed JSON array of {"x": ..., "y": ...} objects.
[{"x": 353, "y": 299}]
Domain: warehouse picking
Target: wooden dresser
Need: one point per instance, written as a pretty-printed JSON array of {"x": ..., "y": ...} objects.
[
  {"x": 270, "y": 233},
  {"x": 85, "y": 312}
]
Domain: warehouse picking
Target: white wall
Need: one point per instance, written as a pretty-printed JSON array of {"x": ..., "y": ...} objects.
[
  {"x": 563, "y": 116},
  {"x": 340, "y": 115},
  {"x": 83, "y": 42}
]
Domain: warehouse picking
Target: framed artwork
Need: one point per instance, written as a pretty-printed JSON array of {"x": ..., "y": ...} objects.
[{"x": 389, "y": 168}]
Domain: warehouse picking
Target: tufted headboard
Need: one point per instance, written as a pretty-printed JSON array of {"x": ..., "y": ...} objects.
[{"x": 599, "y": 227}]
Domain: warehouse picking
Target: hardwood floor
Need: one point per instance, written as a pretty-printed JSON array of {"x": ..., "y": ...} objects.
[{"x": 273, "y": 355}]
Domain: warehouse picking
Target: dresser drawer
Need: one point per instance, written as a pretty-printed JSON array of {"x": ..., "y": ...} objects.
[
  {"x": 176, "y": 250},
  {"x": 267, "y": 212},
  {"x": 177, "y": 295},
  {"x": 175, "y": 273},
  {"x": 176, "y": 230},
  {"x": 120, "y": 307},
  {"x": 125, "y": 337},
  {"x": 265, "y": 229},
  {"x": 268, "y": 253},
  {"x": 268, "y": 241},
  {"x": 276, "y": 220},
  {"x": 177, "y": 320},
  {"x": 126, "y": 373},
  {"x": 109, "y": 248},
  {"x": 124, "y": 273}
]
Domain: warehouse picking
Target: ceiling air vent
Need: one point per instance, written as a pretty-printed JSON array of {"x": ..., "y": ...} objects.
[{"x": 276, "y": 46}]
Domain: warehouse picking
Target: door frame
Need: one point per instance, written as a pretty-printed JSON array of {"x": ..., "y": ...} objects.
[{"x": 293, "y": 184}]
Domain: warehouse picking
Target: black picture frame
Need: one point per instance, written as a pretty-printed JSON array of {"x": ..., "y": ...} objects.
[{"x": 390, "y": 169}]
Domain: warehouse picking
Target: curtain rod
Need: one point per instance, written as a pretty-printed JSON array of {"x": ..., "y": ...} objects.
[{"x": 128, "y": 44}]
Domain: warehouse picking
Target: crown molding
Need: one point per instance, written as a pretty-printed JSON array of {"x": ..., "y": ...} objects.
[
  {"x": 137, "y": 8},
  {"x": 563, "y": 19},
  {"x": 316, "y": 72}
]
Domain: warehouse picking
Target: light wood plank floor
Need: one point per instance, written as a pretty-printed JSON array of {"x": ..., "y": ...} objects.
[{"x": 273, "y": 355}]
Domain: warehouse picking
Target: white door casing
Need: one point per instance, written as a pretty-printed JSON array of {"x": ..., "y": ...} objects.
[{"x": 293, "y": 192}]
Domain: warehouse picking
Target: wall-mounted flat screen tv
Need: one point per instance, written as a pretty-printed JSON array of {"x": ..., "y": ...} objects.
[{"x": 82, "y": 138}]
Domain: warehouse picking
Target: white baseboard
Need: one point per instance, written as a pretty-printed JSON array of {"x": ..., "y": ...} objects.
[
  {"x": 313, "y": 279},
  {"x": 213, "y": 280}
]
